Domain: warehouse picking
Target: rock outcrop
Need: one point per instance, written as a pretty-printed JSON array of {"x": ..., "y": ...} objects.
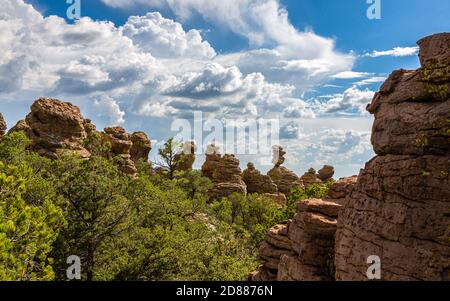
[
  {"x": 257, "y": 182},
  {"x": 141, "y": 147},
  {"x": 311, "y": 177},
  {"x": 225, "y": 173},
  {"x": 121, "y": 145},
  {"x": 2, "y": 125},
  {"x": 284, "y": 179},
  {"x": 303, "y": 248},
  {"x": 276, "y": 245},
  {"x": 326, "y": 173},
  {"x": 184, "y": 160},
  {"x": 55, "y": 127},
  {"x": 399, "y": 209}
]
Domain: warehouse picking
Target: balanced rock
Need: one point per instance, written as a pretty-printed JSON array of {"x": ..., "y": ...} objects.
[
  {"x": 284, "y": 179},
  {"x": 326, "y": 173},
  {"x": 399, "y": 208}
]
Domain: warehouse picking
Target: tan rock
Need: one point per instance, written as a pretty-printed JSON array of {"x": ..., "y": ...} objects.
[
  {"x": 310, "y": 177},
  {"x": 141, "y": 147},
  {"x": 326, "y": 173},
  {"x": 53, "y": 125},
  {"x": 184, "y": 160},
  {"x": 257, "y": 182},
  {"x": 285, "y": 179},
  {"x": 225, "y": 173}
]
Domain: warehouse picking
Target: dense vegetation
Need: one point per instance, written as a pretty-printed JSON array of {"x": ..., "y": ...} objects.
[{"x": 151, "y": 227}]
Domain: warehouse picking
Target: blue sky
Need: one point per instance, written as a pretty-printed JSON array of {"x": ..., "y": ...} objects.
[{"x": 312, "y": 65}]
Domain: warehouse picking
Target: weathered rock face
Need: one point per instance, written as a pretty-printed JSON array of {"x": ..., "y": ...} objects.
[
  {"x": 225, "y": 173},
  {"x": 342, "y": 188},
  {"x": 141, "y": 147},
  {"x": 311, "y": 177},
  {"x": 2, "y": 125},
  {"x": 399, "y": 209},
  {"x": 54, "y": 126},
  {"x": 326, "y": 173},
  {"x": 275, "y": 246},
  {"x": 303, "y": 248},
  {"x": 185, "y": 159},
  {"x": 257, "y": 182}
]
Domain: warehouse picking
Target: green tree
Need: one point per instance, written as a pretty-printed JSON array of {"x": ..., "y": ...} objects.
[
  {"x": 27, "y": 231},
  {"x": 167, "y": 154},
  {"x": 97, "y": 209}
]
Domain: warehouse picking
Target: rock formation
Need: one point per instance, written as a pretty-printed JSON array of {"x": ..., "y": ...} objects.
[
  {"x": 257, "y": 182},
  {"x": 285, "y": 179},
  {"x": 184, "y": 160},
  {"x": 399, "y": 209},
  {"x": 55, "y": 127},
  {"x": 120, "y": 147},
  {"x": 225, "y": 173},
  {"x": 2, "y": 125},
  {"x": 303, "y": 248},
  {"x": 141, "y": 147},
  {"x": 326, "y": 173},
  {"x": 273, "y": 248},
  {"x": 311, "y": 177}
]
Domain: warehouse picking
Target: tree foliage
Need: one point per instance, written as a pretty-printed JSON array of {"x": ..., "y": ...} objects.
[{"x": 150, "y": 227}]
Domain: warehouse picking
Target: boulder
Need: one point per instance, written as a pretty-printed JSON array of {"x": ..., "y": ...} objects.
[
  {"x": 311, "y": 177},
  {"x": 141, "y": 147},
  {"x": 326, "y": 173},
  {"x": 285, "y": 179},
  {"x": 257, "y": 182},
  {"x": 54, "y": 126}
]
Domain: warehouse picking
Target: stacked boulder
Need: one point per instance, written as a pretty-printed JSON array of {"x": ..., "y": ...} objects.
[
  {"x": 276, "y": 244},
  {"x": 55, "y": 127},
  {"x": 311, "y": 177},
  {"x": 120, "y": 147},
  {"x": 262, "y": 184},
  {"x": 225, "y": 173},
  {"x": 303, "y": 248},
  {"x": 399, "y": 209},
  {"x": 284, "y": 179}
]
